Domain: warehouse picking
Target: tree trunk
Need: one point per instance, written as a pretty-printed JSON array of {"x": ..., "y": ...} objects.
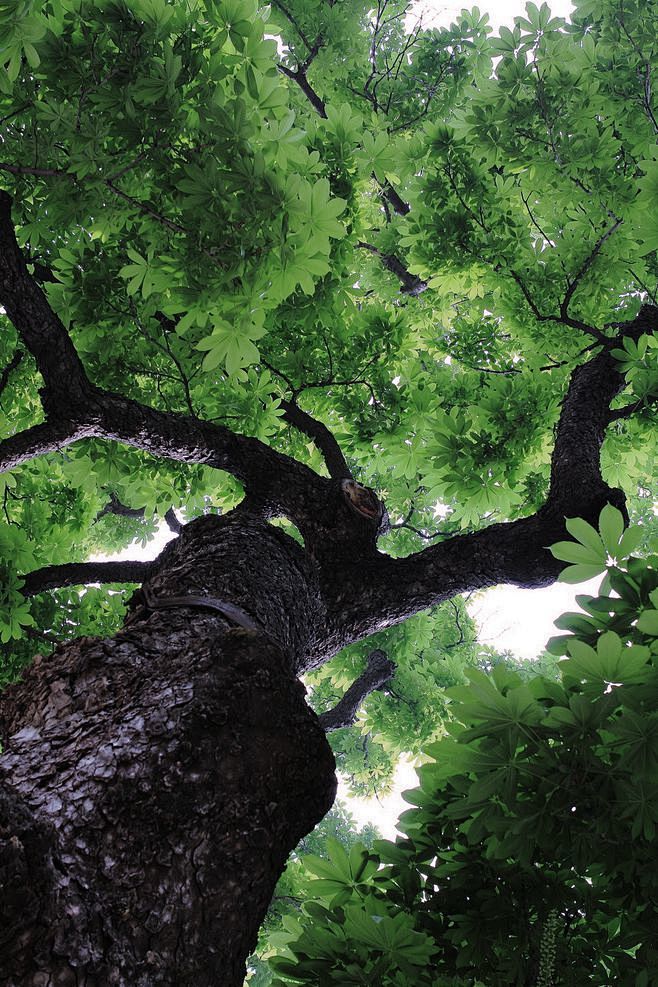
[{"x": 160, "y": 778}]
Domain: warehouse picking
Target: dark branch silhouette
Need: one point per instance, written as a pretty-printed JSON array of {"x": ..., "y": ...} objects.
[
  {"x": 299, "y": 77},
  {"x": 395, "y": 200},
  {"x": 322, "y": 437},
  {"x": 378, "y": 671},
  {"x": 84, "y": 573},
  {"x": 114, "y": 506},
  {"x": 411, "y": 283},
  {"x": 9, "y": 369},
  {"x": 365, "y": 590}
]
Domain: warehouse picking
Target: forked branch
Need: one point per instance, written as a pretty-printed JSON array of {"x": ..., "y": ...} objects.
[
  {"x": 387, "y": 591},
  {"x": 76, "y": 409},
  {"x": 323, "y": 438}
]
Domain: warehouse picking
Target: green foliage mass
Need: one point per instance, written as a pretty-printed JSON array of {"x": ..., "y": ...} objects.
[
  {"x": 337, "y": 827},
  {"x": 420, "y": 265},
  {"x": 529, "y": 854},
  {"x": 431, "y": 653}
]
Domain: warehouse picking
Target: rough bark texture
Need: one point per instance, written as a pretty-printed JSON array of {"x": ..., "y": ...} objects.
[{"x": 160, "y": 778}]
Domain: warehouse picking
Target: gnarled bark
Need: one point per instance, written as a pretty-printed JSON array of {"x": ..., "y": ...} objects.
[{"x": 154, "y": 783}]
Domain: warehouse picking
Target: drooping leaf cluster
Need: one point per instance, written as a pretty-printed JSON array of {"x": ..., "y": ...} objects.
[
  {"x": 337, "y": 827},
  {"x": 529, "y": 853}
]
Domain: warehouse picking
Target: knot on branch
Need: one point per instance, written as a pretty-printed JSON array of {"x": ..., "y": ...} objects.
[{"x": 366, "y": 505}]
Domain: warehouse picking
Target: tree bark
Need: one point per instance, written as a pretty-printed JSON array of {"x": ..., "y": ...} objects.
[{"x": 160, "y": 778}]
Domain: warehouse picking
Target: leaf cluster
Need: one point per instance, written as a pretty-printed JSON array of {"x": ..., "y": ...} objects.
[{"x": 528, "y": 855}]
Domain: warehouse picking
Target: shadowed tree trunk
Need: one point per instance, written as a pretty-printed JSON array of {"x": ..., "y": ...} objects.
[{"x": 160, "y": 778}]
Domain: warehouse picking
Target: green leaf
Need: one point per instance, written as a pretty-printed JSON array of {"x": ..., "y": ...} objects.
[
  {"x": 571, "y": 552},
  {"x": 580, "y": 573},
  {"x": 648, "y": 622},
  {"x": 611, "y": 526},
  {"x": 586, "y": 535}
]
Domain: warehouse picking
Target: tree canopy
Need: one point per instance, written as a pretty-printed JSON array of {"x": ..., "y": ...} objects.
[
  {"x": 422, "y": 234},
  {"x": 384, "y": 295}
]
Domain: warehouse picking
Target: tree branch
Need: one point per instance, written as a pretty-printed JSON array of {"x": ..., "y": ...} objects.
[
  {"x": 620, "y": 414},
  {"x": 411, "y": 283},
  {"x": 168, "y": 223},
  {"x": 9, "y": 369},
  {"x": 299, "y": 76},
  {"x": 584, "y": 268},
  {"x": 84, "y": 573},
  {"x": 172, "y": 521},
  {"x": 295, "y": 23},
  {"x": 80, "y": 410},
  {"x": 563, "y": 318},
  {"x": 377, "y": 672},
  {"x": 322, "y": 437},
  {"x": 396, "y": 201},
  {"x": 114, "y": 506},
  {"x": 39, "y": 441},
  {"x": 40, "y": 329},
  {"x": 381, "y": 591}
]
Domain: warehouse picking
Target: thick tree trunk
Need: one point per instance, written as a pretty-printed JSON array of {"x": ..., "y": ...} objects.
[{"x": 154, "y": 783}]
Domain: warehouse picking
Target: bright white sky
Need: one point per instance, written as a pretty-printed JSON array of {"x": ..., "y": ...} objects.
[{"x": 435, "y": 14}]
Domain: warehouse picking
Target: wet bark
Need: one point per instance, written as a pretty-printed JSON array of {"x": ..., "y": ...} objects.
[{"x": 153, "y": 784}]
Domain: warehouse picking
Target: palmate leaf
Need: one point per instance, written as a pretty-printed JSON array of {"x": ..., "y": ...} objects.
[
  {"x": 593, "y": 551},
  {"x": 588, "y": 536},
  {"x": 610, "y": 663},
  {"x": 568, "y": 551},
  {"x": 231, "y": 344},
  {"x": 393, "y": 935},
  {"x": 611, "y": 526}
]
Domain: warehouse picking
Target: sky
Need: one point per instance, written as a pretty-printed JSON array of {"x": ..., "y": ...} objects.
[{"x": 436, "y": 14}]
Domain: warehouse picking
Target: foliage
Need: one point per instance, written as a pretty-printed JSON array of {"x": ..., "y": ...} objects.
[
  {"x": 337, "y": 827},
  {"x": 529, "y": 855},
  {"x": 415, "y": 236},
  {"x": 431, "y": 653}
]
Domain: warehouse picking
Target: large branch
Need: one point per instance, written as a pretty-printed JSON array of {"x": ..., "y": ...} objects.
[
  {"x": 39, "y": 441},
  {"x": 40, "y": 329},
  {"x": 76, "y": 409},
  {"x": 84, "y": 573},
  {"x": 380, "y": 591},
  {"x": 377, "y": 672}
]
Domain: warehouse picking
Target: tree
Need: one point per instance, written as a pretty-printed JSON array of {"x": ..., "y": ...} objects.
[
  {"x": 529, "y": 855},
  {"x": 254, "y": 288}
]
